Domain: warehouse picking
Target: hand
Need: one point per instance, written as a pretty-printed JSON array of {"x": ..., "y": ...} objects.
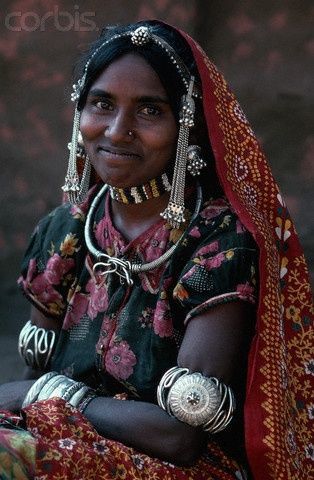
[{"x": 12, "y": 394}]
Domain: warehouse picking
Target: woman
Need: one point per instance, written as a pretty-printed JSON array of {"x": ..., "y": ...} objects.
[{"x": 144, "y": 323}]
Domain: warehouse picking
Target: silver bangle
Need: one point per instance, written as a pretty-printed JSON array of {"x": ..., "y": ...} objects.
[
  {"x": 55, "y": 387},
  {"x": 79, "y": 396},
  {"x": 34, "y": 391},
  {"x": 36, "y": 345},
  {"x": 75, "y": 387},
  {"x": 86, "y": 400},
  {"x": 196, "y": 400},
  {"x": 52, "y": 385}
]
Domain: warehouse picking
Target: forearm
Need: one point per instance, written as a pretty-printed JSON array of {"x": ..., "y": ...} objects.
[
  {"x": 147, "y": 428},
  {"x": 12, "y": 394}
]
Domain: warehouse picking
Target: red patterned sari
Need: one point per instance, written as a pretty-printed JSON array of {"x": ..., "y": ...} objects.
[
  {"x": 279, "y": 409},
  {"x": 67, "y": 447}
]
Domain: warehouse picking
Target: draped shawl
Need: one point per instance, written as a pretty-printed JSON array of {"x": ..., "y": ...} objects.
[{"x": 279, "y": 408}]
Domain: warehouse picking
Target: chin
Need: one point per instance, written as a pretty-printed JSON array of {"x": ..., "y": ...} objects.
[
  {"x": 124, "y": 177},
  {"x": 114, "y": 179},
  {"x": 122, "y": 181},
  {"x": 117, "y": 181}
]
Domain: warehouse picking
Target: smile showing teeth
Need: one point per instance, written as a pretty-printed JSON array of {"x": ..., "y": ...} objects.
[{"x": 117, "y": 154}]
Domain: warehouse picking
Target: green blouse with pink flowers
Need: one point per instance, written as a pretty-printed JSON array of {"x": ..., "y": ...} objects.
[{"x": 119, "y": 338}]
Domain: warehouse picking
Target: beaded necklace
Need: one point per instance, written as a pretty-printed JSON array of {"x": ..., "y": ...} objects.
[{"x": 152, "y": 189}]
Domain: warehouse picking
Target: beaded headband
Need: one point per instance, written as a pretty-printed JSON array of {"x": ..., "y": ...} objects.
[{"x": 174, "y": 212}]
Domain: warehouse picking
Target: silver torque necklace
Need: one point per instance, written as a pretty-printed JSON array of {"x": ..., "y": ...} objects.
[{"x": 122, "y": 267}]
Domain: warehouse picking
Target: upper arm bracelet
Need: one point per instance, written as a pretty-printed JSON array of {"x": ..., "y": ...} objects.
[
  {"x": 36, "y": 345},
  {"x": 195, "y": 399}
]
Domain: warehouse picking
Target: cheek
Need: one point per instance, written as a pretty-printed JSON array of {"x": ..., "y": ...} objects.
[
  {"x": 165, "y": 140},
  {"x": 89, "y": 126},
  {"x": 172, "y": 141}
]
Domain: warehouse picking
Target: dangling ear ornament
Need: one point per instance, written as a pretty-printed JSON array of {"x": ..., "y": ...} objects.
[
  {"x": 174, "y": 213},
  {"x": 195, "y": 161},
  {"x": 80, "y": 149},
  {"x": 75, "y": 189}
]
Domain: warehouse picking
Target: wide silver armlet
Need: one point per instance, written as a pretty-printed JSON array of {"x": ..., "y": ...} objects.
[
  {"x": 196, "y": 400},
  {"x": 36, "y": 345}
]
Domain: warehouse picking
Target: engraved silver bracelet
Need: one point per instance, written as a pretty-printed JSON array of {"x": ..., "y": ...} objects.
[{"x": 195, "y": 399}]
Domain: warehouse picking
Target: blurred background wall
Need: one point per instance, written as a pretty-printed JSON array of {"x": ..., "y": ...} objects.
[{"x": 264, "y": 48}]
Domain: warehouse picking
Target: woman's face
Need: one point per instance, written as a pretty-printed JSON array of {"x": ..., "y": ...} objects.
[{"x": 128, "y": 97}]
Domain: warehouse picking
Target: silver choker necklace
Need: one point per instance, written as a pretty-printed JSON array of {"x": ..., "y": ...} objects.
[{"x": 120, "y": 266}]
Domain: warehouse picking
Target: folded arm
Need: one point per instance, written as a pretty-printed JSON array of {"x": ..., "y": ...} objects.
[{"x": 215, "y": 344}]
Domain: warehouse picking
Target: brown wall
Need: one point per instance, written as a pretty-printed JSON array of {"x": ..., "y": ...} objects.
[{"x": 265, "y": 49}]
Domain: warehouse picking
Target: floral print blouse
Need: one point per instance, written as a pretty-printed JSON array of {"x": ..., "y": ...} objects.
[{"x": 120, "y": 338}]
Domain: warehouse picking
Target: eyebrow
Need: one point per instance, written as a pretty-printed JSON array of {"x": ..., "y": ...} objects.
[{"x": 144, "y": 98}]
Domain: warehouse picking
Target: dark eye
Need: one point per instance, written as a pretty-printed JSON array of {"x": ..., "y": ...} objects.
[
  {"x": 103, "y": 104},
  {"x": 150, "y": 110}
]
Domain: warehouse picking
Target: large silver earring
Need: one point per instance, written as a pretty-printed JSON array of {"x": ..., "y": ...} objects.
[
  {"x": 195, "y": 160},
  {"x": 174, "y": 213},
  {"x": 80, "y": 149},
  {"x": 75, "y": 190}
]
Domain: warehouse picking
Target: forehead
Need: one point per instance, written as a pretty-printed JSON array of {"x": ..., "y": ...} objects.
[{"x": 131, "y": 73}]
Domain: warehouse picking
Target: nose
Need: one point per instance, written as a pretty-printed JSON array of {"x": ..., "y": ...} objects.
[{"x": 119, "y": 128}]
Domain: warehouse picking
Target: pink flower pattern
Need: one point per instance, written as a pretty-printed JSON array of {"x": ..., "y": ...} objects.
[
  {"x": 44, "y": 291},
  {"x": 213, "y": 262},
  {"x": 41, "y": 285},
  {"x": 57, "y": 267},
  {"x": 162, "y": 319},
  {"x": 245, "y": 290},
  {"x": 98, "y": 298},
  {"x": 162, "y": 323},
  {"x": 106, "y": 237},
  {"x": 120, "y": 360},
  {"x": 210, "y": 248},
  {"x": 195, "y": 232},
  {"x": 214, "y": 209},
  {"x": 154, "y": 246},
  {"x": 76, "y": 310}
]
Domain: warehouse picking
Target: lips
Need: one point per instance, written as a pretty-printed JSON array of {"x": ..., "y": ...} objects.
[{"x": 115, "y": 152}]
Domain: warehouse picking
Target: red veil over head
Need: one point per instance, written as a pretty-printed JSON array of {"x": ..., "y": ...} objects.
[{"x": 279, "y": 409}]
